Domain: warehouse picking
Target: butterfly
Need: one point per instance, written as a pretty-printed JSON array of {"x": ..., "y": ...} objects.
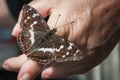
[{"x": 41, "y": 44}]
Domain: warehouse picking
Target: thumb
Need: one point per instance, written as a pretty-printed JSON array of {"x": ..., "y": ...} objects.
[{"x": 41, "y": 6}]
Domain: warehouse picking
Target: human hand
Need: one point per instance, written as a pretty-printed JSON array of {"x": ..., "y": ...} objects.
[{"x": 92, "y": 32}]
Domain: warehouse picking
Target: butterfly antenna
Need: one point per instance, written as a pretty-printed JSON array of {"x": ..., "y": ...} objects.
[
  {"x": 63, "y": 24},
  {"x": 57, "y": 20},
  {"x": 66, "y": 24}
]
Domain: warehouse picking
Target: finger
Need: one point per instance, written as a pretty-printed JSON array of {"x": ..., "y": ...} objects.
[
  {"x": 29, "y": 70},
  {"x": 14, "y": 64},
  {"x": 42, "y": 6},
  {"x": 55, "y": 72},
  {"x": 16, "y": 30},
  {"x": 59, "y": 70},
  {"x": 63, "y": 70},
  {"x": 49, "y": 72}
]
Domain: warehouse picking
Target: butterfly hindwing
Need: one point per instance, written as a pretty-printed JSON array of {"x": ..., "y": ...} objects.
[
  {"x": 66, "y": 50},
  {"x": 43, "y": 54}
]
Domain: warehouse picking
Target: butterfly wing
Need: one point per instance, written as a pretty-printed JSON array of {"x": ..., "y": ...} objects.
[
  {"x": 57, "y": 48},
  {"x": 43, "y": 54},
  {"x": 30, "y": 17},
  {"x": 33, "y": 28},
  {"x": 66, "y": 50}
]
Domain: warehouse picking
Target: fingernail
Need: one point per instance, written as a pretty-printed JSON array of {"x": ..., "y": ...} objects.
[
  {"x": 15, "y": 29},
  {"x": 46, "y": 76},
  {"x": 25, "y": 77},
  {"x": 47, "y": 73},
  {"x": 6, "y": 67}
]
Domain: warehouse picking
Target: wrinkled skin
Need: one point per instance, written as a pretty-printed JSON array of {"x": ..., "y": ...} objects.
[{"x": 96, "y": 31}]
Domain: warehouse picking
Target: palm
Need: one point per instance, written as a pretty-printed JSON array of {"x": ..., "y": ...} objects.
[{"x": 92, "y": 32}]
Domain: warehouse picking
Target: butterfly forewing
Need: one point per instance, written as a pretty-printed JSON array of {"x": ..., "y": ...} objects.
[
  {"x": 33, "y": 28},
  {"x": 31, "y": 19}
]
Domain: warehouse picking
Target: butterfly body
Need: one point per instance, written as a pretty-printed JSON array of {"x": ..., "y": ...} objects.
[{"x": 40, "y": 43}]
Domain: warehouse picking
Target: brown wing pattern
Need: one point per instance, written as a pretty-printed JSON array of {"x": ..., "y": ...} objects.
[
  {"x": 66, "y": 50},
  {"x": 40, "y": 43},
  {"x": 44, "y": 54},
  {"x": 33, "y": 28}
]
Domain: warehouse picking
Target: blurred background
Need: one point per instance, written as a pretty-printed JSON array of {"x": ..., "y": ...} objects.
[
  {"x": 9, "y": 10},
  {"x": 8, "y": 45}
]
